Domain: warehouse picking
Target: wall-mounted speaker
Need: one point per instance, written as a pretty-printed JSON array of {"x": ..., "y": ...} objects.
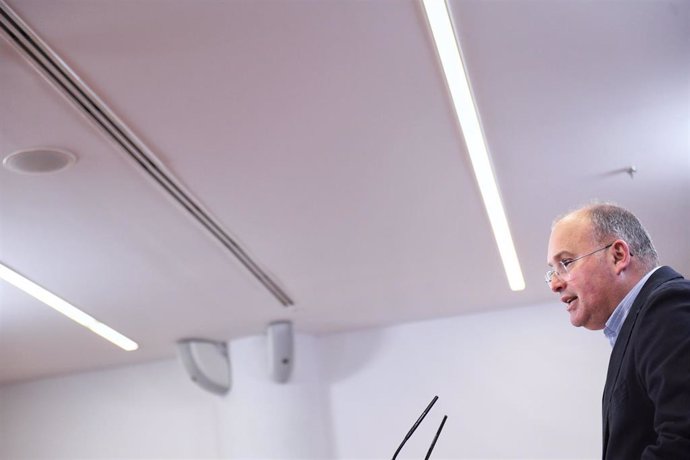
[
  {"x": 280, "y": 350},
  {"x": 207, "y": 363}
]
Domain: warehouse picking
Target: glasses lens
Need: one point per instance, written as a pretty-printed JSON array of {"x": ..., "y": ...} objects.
[{"x": 561, "y": 271}]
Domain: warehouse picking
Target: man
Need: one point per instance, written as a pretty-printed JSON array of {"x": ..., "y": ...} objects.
[{"x": 605, "y": 270}]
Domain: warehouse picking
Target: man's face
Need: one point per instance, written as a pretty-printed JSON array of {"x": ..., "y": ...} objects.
[{"x": 587, "y": 290}]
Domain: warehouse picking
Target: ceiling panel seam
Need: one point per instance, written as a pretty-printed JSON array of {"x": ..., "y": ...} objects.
[{"x": 54, "y": 69}]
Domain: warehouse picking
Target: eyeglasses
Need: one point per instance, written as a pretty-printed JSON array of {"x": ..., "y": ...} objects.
[{"x": 562, "y": 268}]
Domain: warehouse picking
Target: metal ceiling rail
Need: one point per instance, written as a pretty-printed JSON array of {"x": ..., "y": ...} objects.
[{"x": 54, "y": 69}]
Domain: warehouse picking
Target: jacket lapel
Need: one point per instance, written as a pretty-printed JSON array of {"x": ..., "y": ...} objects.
[{"x": 659, "y": 277}]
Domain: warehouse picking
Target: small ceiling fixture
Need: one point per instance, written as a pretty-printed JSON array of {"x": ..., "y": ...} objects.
[{"x": 39, "y": 161}]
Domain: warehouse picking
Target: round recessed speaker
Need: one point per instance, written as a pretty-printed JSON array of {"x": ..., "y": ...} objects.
[{"x": 39, "y": 161}]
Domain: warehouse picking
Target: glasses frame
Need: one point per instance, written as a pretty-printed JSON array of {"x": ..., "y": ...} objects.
[{"x": 565, "y": 263}]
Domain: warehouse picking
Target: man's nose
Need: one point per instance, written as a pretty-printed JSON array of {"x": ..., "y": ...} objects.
[{"x": 556, "y": 284}]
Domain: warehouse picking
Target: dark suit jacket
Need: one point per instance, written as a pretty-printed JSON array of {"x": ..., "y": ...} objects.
[{"x": 646, "y": 404}]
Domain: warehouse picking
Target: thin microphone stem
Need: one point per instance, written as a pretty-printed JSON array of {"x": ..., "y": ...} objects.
[
  {"x": 433, "y": 443},
  {"x": 414, "y": 427}
]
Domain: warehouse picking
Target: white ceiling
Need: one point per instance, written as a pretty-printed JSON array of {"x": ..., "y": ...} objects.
[{"x": 320, "y": 135}]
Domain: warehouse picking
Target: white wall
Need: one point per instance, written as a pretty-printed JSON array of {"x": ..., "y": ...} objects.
[
  {"x": 515, "y": 384},
  {"x": 138, "y": 412},
  {"x": 263, "y": 419}
]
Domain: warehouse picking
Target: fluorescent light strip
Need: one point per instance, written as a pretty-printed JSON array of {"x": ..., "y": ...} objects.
[
  {"x": 466, "y": 111},
  {"x": 66, "y": 308}
]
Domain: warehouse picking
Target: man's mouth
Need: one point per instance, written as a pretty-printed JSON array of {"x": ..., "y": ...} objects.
[{"x": 568, "y": 300}]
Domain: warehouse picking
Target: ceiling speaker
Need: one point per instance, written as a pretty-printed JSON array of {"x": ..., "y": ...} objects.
[
  {"x": 280, "y": 350},
  {"x": 207, "y": 363},
  {"x": 39, "y": 161}
]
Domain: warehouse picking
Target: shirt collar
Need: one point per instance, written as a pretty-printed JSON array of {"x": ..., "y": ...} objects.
[{"x": 615, "y": 322}]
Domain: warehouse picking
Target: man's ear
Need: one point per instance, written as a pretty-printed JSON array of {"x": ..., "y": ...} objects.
[{"x": 621, "y": 255}]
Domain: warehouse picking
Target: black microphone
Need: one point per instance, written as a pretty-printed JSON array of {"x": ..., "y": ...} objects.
[{"x": 414, "y": 427}]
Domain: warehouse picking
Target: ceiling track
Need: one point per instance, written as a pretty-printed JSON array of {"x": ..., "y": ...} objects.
[{"x": 61, "y": 76}]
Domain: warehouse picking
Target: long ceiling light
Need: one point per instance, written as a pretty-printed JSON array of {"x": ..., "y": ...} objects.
[
  {"x": 458, "y": 83},
  {"x": 66, "y": 308}
]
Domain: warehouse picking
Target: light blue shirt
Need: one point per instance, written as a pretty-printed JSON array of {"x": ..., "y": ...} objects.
[{"x": 615, "y": 322}]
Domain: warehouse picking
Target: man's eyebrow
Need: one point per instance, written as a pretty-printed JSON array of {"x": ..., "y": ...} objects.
[{"x": 559, "y": 256}]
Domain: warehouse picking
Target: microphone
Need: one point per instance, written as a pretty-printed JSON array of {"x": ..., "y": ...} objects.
[{"x": 414, "y": 427}]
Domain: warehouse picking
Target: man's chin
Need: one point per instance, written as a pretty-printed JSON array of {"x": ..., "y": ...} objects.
[
  {"x": 590, "y": 325},
  {"x": 576, "y": 321}
]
